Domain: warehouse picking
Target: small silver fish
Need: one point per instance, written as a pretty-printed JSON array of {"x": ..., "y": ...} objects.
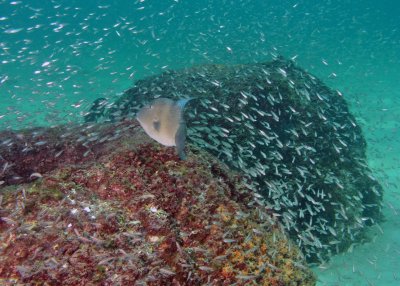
[{"x": 3, "y": 79}]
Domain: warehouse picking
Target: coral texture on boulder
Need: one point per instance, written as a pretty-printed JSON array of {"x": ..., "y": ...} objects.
[{"x": 130, "y": 212}]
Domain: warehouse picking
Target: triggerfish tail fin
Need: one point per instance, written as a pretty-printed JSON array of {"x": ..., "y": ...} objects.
[
  {"x": 180, "y": 136},
  {"x": 180, "y": 139}
]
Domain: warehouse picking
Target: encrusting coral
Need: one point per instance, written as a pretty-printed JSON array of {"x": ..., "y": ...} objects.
[{"x": 137, "y": 215}]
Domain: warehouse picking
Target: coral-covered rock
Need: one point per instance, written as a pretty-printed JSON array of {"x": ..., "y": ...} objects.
[
  {"x": 135, "y": 214},
  {"x": 26, "y": 154}
]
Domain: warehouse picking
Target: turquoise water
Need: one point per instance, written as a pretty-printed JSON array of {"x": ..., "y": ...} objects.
[{"x": 58, "y": 56}]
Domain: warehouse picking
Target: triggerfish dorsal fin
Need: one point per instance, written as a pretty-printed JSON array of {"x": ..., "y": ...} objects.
[{"x": 182, "y": 102}]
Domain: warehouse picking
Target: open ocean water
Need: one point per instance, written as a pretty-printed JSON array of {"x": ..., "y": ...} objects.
[{"x": 56, "y": 57}]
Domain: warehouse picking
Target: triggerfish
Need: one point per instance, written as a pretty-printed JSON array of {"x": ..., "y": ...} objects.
[{"x": 163, "y": 121}]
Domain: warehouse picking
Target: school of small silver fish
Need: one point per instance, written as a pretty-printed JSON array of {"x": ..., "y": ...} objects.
[{"x": 292, "y": 136}]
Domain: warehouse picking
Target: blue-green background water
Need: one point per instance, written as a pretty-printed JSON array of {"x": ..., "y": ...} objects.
[{"x": 56, "y": 57}]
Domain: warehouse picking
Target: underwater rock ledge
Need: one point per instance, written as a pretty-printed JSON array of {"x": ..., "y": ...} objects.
[
  {"x": 284, "y": 128},
  {"x": 132, "y": 213},
  {"x": 26, "y": 154}
]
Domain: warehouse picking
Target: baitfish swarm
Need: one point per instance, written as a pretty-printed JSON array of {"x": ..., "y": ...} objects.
[{"x": 293, "y": 136}]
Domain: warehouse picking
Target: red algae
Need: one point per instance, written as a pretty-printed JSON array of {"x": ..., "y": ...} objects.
[{"x": 137, "y": 215}]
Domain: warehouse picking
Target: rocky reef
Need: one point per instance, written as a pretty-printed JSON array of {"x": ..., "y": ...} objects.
[
  {"x": 122, "y": 210},
  {"x": 284, "y": 128}
]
